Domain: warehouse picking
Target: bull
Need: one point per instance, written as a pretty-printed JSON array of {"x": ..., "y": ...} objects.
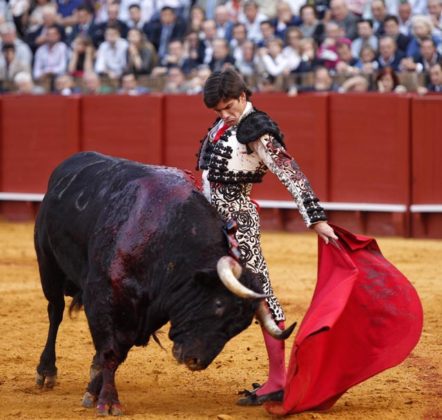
[{"x": 138, "y": 246}]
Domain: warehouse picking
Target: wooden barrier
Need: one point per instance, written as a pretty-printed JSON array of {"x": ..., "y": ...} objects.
[
  {"x": 359, "y": 151},
  {"x": 426, "y": 188},
  {"x": 37, "y": 134},
  {"x": 125, "y": 126}
]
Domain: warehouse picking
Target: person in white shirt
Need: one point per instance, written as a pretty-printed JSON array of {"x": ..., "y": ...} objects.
[
  {"x": 52, "y": 57},
  {"x": 252, "y": 19},
  {"x": 112, "y": 54}
]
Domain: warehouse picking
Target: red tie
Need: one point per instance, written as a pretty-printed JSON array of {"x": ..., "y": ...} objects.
[{"x": 220, "y": 132}]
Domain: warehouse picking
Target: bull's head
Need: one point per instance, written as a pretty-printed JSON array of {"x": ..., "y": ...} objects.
[{"x": 220, "y": 311}]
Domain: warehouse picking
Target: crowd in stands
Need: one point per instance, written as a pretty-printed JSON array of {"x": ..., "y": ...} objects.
[{"x": 137, "y": 47}]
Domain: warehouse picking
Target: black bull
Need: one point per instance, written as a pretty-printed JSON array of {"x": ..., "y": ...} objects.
[{"x": 138, "y": 246}]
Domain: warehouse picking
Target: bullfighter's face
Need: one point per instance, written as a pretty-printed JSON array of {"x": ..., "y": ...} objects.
[{"x": 230, "y": 110}]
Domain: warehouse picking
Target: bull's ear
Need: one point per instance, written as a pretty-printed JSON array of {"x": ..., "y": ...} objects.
[{"x": 206, "y": 277}]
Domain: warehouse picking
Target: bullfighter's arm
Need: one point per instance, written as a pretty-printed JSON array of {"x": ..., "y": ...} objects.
[{"x": 276, "y": 158}]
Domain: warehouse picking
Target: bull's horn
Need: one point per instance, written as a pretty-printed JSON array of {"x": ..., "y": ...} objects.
[
  {"x": 268, "y": 323},
  {"x": 229, "y": 271}
]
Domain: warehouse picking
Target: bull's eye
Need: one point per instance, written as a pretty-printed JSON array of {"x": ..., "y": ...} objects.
[{"x": 219, "y": 307}]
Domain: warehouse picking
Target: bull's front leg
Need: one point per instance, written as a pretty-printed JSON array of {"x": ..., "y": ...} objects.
[{"x": 102, "y": 386}]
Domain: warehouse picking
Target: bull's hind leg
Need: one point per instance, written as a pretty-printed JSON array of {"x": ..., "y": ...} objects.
[{"x": 52, "y": 283}]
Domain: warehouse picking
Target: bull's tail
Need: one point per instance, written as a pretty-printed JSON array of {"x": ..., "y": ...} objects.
[{"x": 77, "y": 303}]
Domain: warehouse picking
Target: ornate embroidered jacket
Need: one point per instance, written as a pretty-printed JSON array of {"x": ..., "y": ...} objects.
[{"x": 245, "y": 152}]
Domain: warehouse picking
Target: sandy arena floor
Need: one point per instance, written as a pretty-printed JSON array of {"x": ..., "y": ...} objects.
[{"x": 153, "y": 386}]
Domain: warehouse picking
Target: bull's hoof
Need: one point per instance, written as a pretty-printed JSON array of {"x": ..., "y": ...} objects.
[
  {"x": 108, "y": 409},
  {"x": 88, "y": 400},
  {"x": 48, "y": 381}
]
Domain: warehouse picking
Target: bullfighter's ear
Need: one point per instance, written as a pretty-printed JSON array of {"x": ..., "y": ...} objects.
[{"x": 206, "y": 277}]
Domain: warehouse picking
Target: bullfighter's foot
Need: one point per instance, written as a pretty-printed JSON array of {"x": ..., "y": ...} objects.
[
  {"x": 114, "y": 409},
  {"x": 252, "y": 398},
  {"x": 88, "y": 400},
  {"x": 47, "y": 381}
]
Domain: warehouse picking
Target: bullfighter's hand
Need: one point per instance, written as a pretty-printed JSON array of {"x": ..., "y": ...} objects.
[{"x": 324, "y": 231}]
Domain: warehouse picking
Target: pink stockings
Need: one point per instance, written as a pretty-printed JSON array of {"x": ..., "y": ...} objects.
[{"x": 276, "y": 354}]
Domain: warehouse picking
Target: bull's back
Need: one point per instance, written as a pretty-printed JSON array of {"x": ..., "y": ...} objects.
[{"x": 90, "y": 198}]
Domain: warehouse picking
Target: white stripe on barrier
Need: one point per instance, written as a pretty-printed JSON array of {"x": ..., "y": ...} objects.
[
  {"x": 282, "y": 204},
  {"x": 426, "y": 208},
  {"x": 398, "y": 208},
  {"x": 11, "y": 196}
]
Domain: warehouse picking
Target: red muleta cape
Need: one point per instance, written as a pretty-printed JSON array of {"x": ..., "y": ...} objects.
[{"x": 364, "y": 317}]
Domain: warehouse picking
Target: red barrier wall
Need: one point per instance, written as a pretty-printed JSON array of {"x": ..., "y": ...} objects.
[
  {"x": 369, "y": 139},
  {"x": 37, "y": 134},
  {"x": 124, "y": 126},
  {"x": 187, "y": 123},
  {"x": 427, "y": 163}
]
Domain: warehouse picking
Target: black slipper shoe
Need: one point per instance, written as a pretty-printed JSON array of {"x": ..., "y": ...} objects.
[{"x": 252, "y": 399}]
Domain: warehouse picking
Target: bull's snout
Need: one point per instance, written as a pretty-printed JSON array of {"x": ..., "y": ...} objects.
[{"x": 192, "y": 363}]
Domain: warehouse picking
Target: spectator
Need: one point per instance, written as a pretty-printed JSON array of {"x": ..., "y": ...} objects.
[
  {"x": 267, "y": 33},
  {"x": 92, "y": 85},
  {"x": 195, "y": 85},
  {"x": 64, "y": 85},
  {"x": 175, "y": 81},
  {"x": 84, "y": 24},
  {"x": 292, "y": 50},
  {"x": 135, "y": 19},
  {"x": 355, "y": 83},
  {"x": 309, "y": 58},
  {"x": 25, "y": 86},
  {"x": 50, "y": 20},
  {"x": 391, "y": 28},
  {"x": 252, "y": 19},
  {"x": 113, "y": 9},
  {"x": 272, "y": 60},
  {"x": 365, "y": 37},
  {"x": 51, "y": 58},
  {"x": 160, "y": 32},
  {"x": 197, "y": 17},
  {"x": 10, "y": 64},
  {"x": 421, "y": 29},
  {"x": 176, "y": 57},
  {"x": 388, "y": 54},
  {"x": 246, "y": 63},
  {"x": 379, "y": 13},
  {"x": 322, "y": 82},
  {"x": 66, "y": 10},
  {"x": 35, "y": 18},
  {"x": 427, "y": 56},
  {"x": 9, "y": 36},
  {"x": 346, "y": 64},
  {"x": 112, "y": 54},
  {"x": 310, "y": 25},
  {"x": 20, "y": 15},
  {"x": 224, "y": 26},
  {"x": 221, "y": 55},
  {"x": 209, "y": 31},
  {"x": 387, "y": 81},
  {"x": 193, "y": 48},
  {"x": 141, "y": 55},
  {"x": 327, "y": 51},
  {"x": 129, "y": 86},
  {"x": 435, "y": 84},
  {"x": 239, "y": 36},
  {"x": 209, "y": 7},
  {"x": 284, "y": 19},
  {"x": 344, "y": 18},
  {"x": 404, "y": 15},
  {"x": 82, "y": 56},
  {"x": 435, "y": 12},
  {"x": 367, "y": 62}
]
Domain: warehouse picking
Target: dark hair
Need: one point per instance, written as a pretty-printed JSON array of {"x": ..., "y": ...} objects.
[
  {"x": 391, "y": 17},
  {"x": 369, "y": 21},
  {"x": 134, "y": 6},
  {"x": 307, "y": 6},
  {"x": 388, "y": 71},
  {"x": 8, "y": 46},
  {"x": 224, "y": 85}
]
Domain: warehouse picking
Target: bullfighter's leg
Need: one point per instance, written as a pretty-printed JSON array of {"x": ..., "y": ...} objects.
[{"x": 52, "y": 282}]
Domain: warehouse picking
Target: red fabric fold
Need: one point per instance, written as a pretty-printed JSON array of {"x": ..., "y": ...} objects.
[{"x": 364, "y": 317}]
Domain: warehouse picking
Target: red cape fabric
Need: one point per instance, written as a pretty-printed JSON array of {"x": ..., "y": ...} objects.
[{"x": 365, "y": 317}]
